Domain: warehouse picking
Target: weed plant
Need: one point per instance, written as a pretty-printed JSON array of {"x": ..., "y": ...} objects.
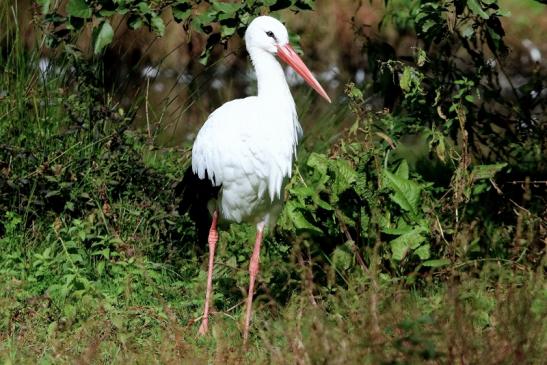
[{"x": 381, "y": 255}]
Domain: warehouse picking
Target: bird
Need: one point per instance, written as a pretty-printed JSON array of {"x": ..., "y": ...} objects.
[{"x": 242, "y": 156}]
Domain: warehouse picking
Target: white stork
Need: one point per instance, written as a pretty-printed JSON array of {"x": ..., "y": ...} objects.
[{"x": 245, "y": 149}]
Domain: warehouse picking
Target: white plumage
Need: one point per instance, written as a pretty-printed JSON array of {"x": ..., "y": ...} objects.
[
  {"x": 247, "y": 146},
  {"x": 249, "y": 155}
]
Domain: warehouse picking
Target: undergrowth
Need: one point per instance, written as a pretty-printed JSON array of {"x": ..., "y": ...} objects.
[{"x": 382, "y": 254}]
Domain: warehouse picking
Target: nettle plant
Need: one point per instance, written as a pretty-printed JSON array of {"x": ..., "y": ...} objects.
[
  {"x": 455, "y": 83},
  {"x": 453, "y": 98},
  {"x": 219, "y": 20},
  {"x": 359, "y": 203},
  {"x": 366, "y": 196}
]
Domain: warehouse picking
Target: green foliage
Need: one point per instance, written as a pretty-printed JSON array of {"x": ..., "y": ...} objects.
[
  {"x": 219, "y": 20},
  {"x": 440, "y": 87},
  {"x": 407, "y": 259}
]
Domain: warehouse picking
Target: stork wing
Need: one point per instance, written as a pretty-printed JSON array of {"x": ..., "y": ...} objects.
[{"x": 238, "y": 141}]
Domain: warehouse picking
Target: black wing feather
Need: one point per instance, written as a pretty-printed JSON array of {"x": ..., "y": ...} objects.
[{"x": 195, "y": 195}]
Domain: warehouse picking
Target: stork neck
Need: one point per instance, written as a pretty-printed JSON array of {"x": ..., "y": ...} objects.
[{"x": 270, "y": 77}]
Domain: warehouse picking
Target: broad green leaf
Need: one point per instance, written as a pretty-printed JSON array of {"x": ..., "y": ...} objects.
[
  {"x": 402, "y": 170},
  {"x": 476, "y": 9},
  {"x": 344, "y": 174},
  {"x": 398, "y": 250},
  {"x": 428, "y": 25},
  {"x": 78, "y": 8},
  {"x": 408, "y": 241},
  {"x": 404, "y": 82},
  {"x": 158, "y": 25},
  {"x": 228, "y": 8},
  {"x": 303, "y": 192},
  {"x": 44, "y": 5},
  {"x": 467, "y": 32},
  {"x": 407, "y": 192},
  {"x": 144, "y": 7},
  {"x": 436, "y": 263},
  {"x": 320, "y": 165},
  {"x": 135, "y": 22},
  {"x": 298, "y": 219},
  {"x": 203, "y": 20},
  {"x": 421, "y": 57},
  {"x": 107, "y": 12},
  {"x": 104, "y": 37},
  {"x": 423, "y": 252},
  {"x": 355, "y": 92},
  {"x": 319, "y": 162},
  {"x": 321, "y": 203},
  {"x": 227, "y": 31},
  {"x": 487, "y": 171},
  {"x": 398, "y": 230},
  {"x": 100, "y": 267},
  {"x": 181, "y": 11},
  {"x": 342, "y": 257}
]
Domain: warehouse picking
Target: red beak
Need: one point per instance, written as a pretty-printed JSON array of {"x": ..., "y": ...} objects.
[{"x": 287, "y": 54}]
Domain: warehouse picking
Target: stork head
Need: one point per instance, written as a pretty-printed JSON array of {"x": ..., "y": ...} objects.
[
  {"x": 266, "y": 33},
  {"x": 270, "y": 35}
]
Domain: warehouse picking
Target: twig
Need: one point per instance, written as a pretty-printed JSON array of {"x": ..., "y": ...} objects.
[
  {"x": 351, "y": 241},
  {"x": 146, "y": 108},
  {"x": 527, "y": 182}
]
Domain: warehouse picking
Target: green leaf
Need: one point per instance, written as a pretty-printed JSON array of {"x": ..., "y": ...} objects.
[
  {"x": 397, "y": 230},
  {"x": 423, "y": 252},
  {"x": 421, "y": 57},
  {"x": 103, "y": 37},
  {"x": 436, "y": 263},
  {"x": 407, "y": 192},
  {"x": 402, "y": 170},
  {"x": 158, "y": 25},
  {"x": 79, "y": 8},
  {"x": 467, "y": 32},
  {"x": 428, "y": 25},
  {"x": 100, "y": 267},
  {"x": 181, "y": 11},
  {"x": 408, "y": 241},
  {"x": 135, "y": 22},
  {"x": 476, "y": 9},
  {"x": 228, "y": 8},
  {"x": 319, "y": 162},
  {"x": 404, "y": 83},
  {"x": 487, "y": 171},
  {"x": 144, "y": 8},
  {"x": 227, "y": 31},
  {"x": 342, "y": 257},
  {"x": 298, "y": 219},
  {"x": 44, "y": 5},
  {"x": 344, "y": 175}
]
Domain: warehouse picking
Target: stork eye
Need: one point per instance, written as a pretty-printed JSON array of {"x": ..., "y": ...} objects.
[{"x": 270, "y": 34}]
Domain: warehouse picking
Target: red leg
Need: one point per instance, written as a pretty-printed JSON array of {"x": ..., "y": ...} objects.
[
  {"x": 253, "y": 271},
  {"x": 213, "y": 238}
]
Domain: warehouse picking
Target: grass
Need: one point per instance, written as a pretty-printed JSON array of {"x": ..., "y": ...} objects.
[
  {"x": 496, "y": 318},
  {"x": 97, "y": 265}
]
